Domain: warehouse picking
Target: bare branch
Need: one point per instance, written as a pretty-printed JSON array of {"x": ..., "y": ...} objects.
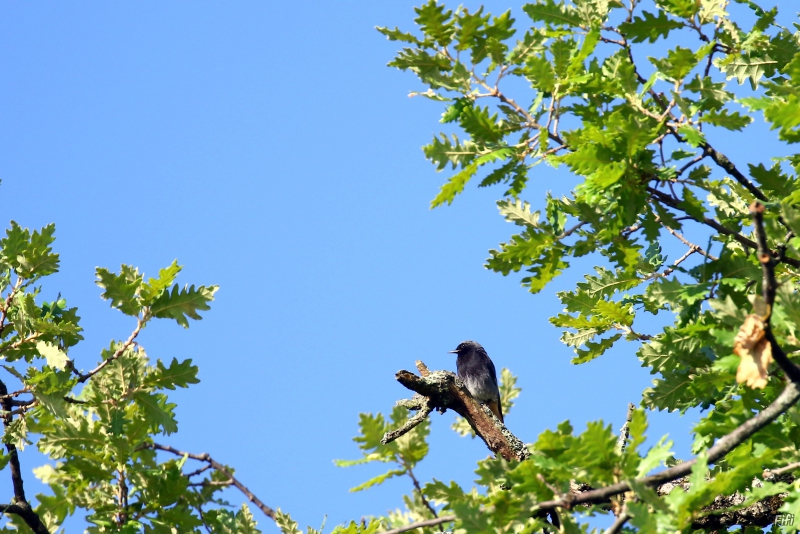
[
  {"x": 692, "y": 246},
  {"x": 417, "y": 403}
]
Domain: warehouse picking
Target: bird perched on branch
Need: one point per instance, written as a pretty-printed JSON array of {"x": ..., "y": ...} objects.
[{"x": 477, "y": 371}]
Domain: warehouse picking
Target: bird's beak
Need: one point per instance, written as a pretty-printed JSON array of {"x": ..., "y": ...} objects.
[{"x": 452, "y": 352}]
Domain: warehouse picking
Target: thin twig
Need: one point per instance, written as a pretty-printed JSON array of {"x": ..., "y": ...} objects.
[
  {"x": 692, "y": 246},
  {"x": 672, "y": 203},
  {"x": 771, "y": 473},
  {"x": 421, "y": 524},
  {"x": 417, "y": 486},
  {"x": 197, "y": 471},
  {"x": 204, "y": 457},
  {"x": 625, "y": 432},
  {"x": 425, "y": 409},
  {"x": 83, "y": 377},
  {"x": 572, "y": 230}
]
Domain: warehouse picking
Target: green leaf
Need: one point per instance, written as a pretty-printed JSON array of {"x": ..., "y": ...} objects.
[
  {"x": 773, "y": 180},
  {"x": 56, "y": 358},
  {"x": 435, "y": 22},
  {"x": 397, "y": 35},
  {"x": 678, "y": 63},
  {"x": 29, "y": 254},
  {"x": 454, "y": 186},
  {"x": 380, "y": 479},
  {"x": 539, "y": 71},
  {"x": 655, "y": 457},
  {"x": 649, "y": 28},
  {"x": 694, "y": 137},
  {"x": 730, "y": 121},
  {"x": 551, "y": 13},
  {"x": 615, "y": 312},
  {"x": 594, "y": 349},
  {"x": 178, "y": 374},
  {"x": 121, "y": 289},
  {"x": 443, "y": 151},
  {"x": 435, "y": 70},
  {"x": 183, "y": 304},
  {"x": 151, "y": 289},
  {"x": 692, "y": 205},
  {"x": 684, "y": 9},
  {"x": 157, "y": 411},
  {"x": 518, "y": 212},
  {"x": 750, "y": 66}
]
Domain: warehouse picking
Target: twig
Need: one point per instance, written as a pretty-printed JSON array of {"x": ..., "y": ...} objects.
[
  {"x": 624, "y": 432},
  {"x": 417, "y": 486},
  {"x": 421, "y": 524},
  {"x": 771, "y": 473},
  {"x": 692, "y": 246},
  {"x": 83, "y": 377},
  {"x": 425, "y": 408},
  {"x": 204, "y": 457},
  {"x": 618, "y": 524},
  {"x": 7, "y": 303},
  {"x": 768, "y": 290},
  {"x": 669, "y": 201},
  {"x": 197, "y": 471},
  {"x": 202, "y": 515},
  {"x": 697, "y": 159},
  {"x": 211, "y": 483},
  {"x": 572, "y": 230}
]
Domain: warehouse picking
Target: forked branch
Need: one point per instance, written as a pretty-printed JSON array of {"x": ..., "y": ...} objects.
[{"x": 442, "y": 390}]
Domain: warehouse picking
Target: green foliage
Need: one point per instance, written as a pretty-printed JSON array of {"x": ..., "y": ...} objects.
[
  {"x": 646, "y": 166},
  {"x": 404, "y": 452},
  {"x": 98, "y": 426}
]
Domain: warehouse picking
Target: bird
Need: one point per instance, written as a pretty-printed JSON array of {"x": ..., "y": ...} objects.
[{"x": 477, "y": 371}]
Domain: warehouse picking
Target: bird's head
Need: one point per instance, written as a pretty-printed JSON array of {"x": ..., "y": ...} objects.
[{"x": 466, "y": 346}]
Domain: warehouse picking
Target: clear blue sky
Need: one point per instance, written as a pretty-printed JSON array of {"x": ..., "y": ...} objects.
[{"x": 268, "y": 148}]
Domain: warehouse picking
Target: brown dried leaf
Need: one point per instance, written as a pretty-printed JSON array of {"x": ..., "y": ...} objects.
[{"x": 755, "y": 352}]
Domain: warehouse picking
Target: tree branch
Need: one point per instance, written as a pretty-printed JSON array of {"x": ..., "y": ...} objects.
[
  {"x": 204, "y": 457},
  {"x": 671, "y": 202},
  {"x": 21, "y": 507},
  {"x": 688, "y": 243},
  {"x": 723, "y": 446},
  {"x": 442, "y": 390},
  {"x": 769, "y": 289},
  {"x": 624, "y": 432},
  {"x": 618, "y": 524},
  {"x": 83, "y": 377},
  {"x": 420, "y": 524}
]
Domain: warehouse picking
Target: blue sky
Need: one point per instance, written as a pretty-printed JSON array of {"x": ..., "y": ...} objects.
[{"x": 269, "y": 149}]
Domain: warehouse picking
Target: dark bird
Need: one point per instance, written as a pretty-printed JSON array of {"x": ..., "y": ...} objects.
[{"x": 477, "y": 371}]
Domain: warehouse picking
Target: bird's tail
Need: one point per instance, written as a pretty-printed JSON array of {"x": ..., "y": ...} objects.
[{"x": 496, "y": 408}]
